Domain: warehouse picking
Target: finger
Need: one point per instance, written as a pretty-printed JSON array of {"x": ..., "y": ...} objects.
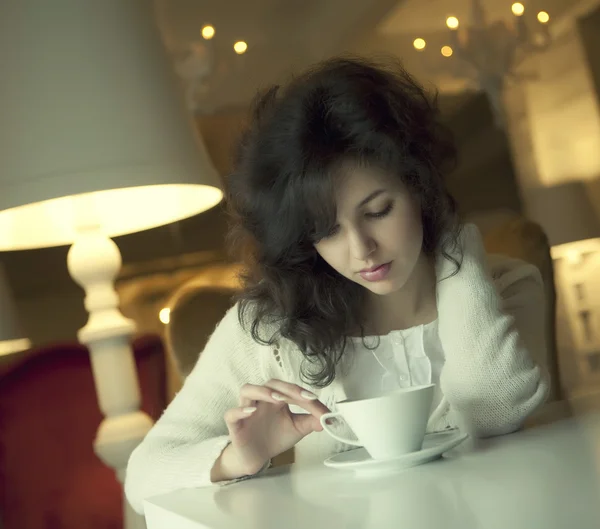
[
  {"x": 234, "y": 416},
  {"x": 246, "y": 401},
  {"x": 250, "y": 394},
  {"x": 306, "y": 424},
  {"x": 299, "y": 396},
  {"x": 291, "y": 390}
]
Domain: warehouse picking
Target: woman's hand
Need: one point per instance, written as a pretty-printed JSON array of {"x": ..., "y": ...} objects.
[{"x": 263, "y": 427}]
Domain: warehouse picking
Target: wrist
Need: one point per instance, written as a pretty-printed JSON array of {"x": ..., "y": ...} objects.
[
  {"x": 228, "y": 466},
  {"x": 223, "y": 468}
]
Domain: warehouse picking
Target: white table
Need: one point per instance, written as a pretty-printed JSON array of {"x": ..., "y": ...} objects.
[{"x": 544, "y": 478}]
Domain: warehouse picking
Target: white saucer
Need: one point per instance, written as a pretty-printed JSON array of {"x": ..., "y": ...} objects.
[{"x": 434, "y": 445}]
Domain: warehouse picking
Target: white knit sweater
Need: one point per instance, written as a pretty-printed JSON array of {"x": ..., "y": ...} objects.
[{"x": 491, "y": 328}]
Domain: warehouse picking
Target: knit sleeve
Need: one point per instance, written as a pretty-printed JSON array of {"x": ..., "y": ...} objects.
[
  {"x": 182, "y": 447},
  {"x": 491, "y": 336}
]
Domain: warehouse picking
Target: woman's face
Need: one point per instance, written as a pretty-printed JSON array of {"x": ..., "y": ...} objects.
[{"x": 378, "y": 238}]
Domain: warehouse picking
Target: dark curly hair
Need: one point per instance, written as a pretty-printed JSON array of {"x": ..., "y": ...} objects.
[{"x": 280, "y": 196}]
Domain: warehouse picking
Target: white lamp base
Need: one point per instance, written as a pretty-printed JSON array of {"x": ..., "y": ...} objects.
[{"x": 94, "y": 261}]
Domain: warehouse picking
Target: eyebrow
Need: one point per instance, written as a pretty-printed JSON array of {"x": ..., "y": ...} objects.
[{"x": 372, "y": 196}]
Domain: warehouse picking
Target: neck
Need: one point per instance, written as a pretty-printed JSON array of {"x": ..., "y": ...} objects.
[{"x": 414, "y": 304}]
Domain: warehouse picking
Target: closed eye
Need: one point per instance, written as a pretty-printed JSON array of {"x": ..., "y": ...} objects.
[
  {"x": 333, "y": 231},
  {"x": 383, "y": 213},
  {"x": 328, "y": 235}
]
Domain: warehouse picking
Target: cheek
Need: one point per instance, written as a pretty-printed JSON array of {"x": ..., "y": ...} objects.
[{"x": 409, "y": 230}]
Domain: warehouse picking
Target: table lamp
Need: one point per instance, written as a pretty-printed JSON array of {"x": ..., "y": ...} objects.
[
  {"x": 95, "y": 142},
  {"x": 573, "y": 228},
  {"x": 569, "y": 219},
  {"x": 12, "y": 338}
]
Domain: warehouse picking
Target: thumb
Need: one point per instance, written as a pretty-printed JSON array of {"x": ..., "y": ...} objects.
[{"x": 306, "y": 423}]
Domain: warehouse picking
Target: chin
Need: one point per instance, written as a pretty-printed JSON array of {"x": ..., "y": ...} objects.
[{"x": 383, "y": 288}]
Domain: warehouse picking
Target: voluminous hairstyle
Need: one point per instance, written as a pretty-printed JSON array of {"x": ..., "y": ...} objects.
[{"x": 281, "y": 196}]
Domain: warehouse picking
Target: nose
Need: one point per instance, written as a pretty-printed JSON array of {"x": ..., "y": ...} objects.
[{"x": 362, "y": 245}]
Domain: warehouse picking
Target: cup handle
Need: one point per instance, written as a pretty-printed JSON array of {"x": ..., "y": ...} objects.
[{"x": 333, "y": 415}]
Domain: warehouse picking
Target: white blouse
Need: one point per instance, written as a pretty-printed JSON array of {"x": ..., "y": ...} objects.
[{"x": 400, "y": 359}]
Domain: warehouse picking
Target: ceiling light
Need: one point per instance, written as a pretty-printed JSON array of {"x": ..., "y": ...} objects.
[
  {"x": 240, "y": 47},
  {"x": 543, "y": 17},
  {"x": 208, "y": 32},
  {"x": 447, "y": 51},
  {"x": 419, "y": 44},
  {"x": 452, "y": 22},
  {"x": 518, "y": 9}
]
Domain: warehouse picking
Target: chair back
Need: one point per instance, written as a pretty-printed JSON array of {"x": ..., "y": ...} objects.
[
  {"x": 512, "y": 235},
  {"x": 50, "y": 476}
]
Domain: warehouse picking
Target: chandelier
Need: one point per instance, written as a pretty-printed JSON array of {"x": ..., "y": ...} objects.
[{"x": 490, "y": 53}]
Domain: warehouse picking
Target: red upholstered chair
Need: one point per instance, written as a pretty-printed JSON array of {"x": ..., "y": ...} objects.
[{"x": 50, "y": 477}]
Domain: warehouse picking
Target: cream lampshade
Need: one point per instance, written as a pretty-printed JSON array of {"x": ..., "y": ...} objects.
[
  {"x": 95, "y": 142},
  {"x": 12, "y": 338},
  {"x": 573, "y": 228},
  {"x": 568, "y": 217},
  {"x": 91, "y": 115}
]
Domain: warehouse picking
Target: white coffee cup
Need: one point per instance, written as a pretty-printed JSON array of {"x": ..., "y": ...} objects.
[{"x": 388, "y": 426}]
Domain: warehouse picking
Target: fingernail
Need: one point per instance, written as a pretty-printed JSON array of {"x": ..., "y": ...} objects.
[
  {"x": 308, "y": 395},
  {"x": 277, "y": 396},
  {"x": 249, "y": 410},
  {"x": 329, "y": 422}
]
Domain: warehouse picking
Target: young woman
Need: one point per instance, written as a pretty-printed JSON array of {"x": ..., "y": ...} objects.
[{"x": 360, "y": 279}]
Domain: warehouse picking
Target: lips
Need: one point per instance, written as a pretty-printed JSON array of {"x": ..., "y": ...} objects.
[
  {"x": 376, "y": 273},
  {"x": 372, "y": 269}
]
